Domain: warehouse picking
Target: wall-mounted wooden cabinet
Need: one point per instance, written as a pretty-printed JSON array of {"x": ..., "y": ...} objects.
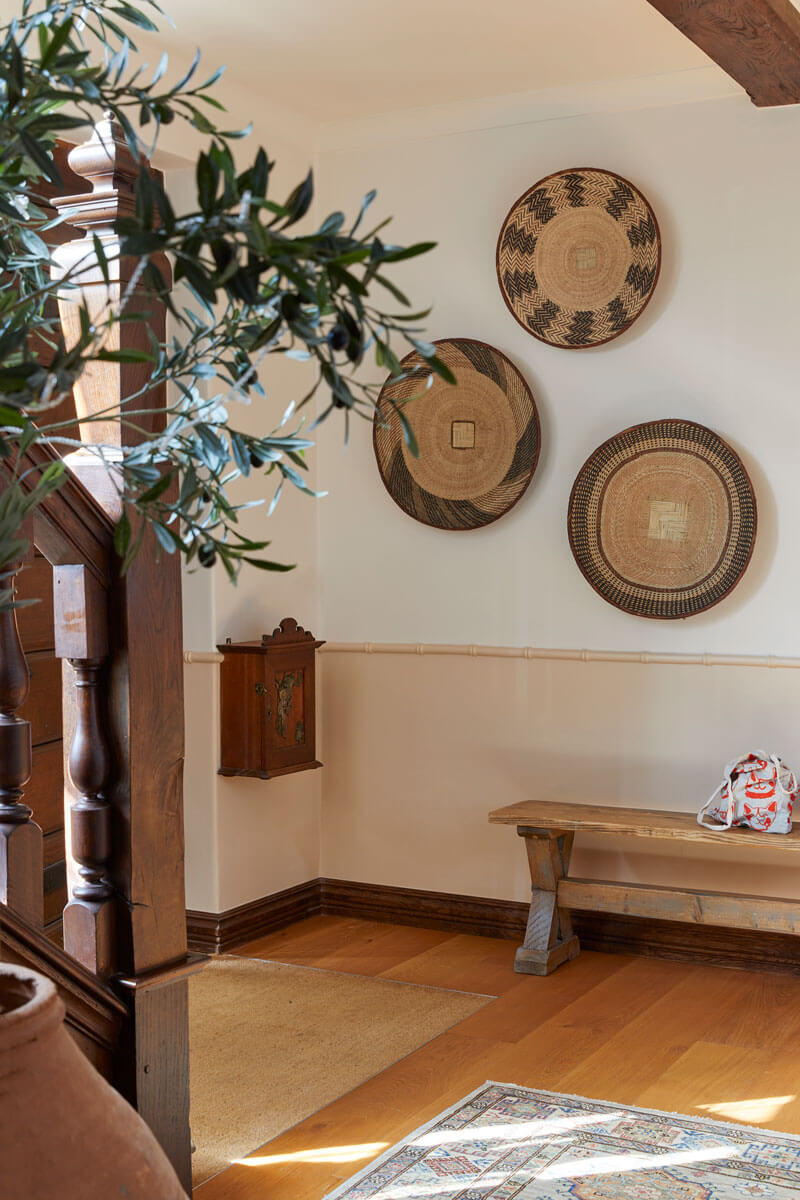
[{"x": 267, "y": 697}]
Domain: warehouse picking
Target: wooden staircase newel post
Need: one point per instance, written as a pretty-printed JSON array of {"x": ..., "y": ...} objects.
[
  {"x": 143, "y": 798},
  {"x": 110, "y": 171},
  {"x": 21, "y": 855}
]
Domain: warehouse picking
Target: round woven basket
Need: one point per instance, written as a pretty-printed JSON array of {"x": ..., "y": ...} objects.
[
  {"x": 578, "y": 257},
  {"x": 478, "y": 439},
  {"x": 662, "y": 519}
]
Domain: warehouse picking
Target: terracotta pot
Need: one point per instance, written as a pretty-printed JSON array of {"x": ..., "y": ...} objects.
[{"x": 64, "y": 1131}]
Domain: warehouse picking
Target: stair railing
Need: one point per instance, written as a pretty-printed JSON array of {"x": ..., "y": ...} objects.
[{"x": 119, "y": 638}]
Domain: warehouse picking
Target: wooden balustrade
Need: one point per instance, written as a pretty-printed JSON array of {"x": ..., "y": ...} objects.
[
  {"x": 80, "y": 607},
  {"x": 120, "y": 637},
  {"x": 20, "y": 836}
]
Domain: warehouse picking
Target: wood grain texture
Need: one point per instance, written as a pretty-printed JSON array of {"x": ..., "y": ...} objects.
[
  {"x": 433, "y": 910},
  {"x": 756, "y": 42},
  {"x": 146, "y": 731},
  {"x": 132, "y": 843},
  {"x": 43, "y": 706},
  {"x": 588, "y": 1029},
  {"x": 549, "y": 940},
  {"x": 378, "y": 904},
  {"x": 677, "y": 904},
  {"x": 45, "y": 792},
  {"x": 153, "y": 1073},
  {"x": 20, "y": 836},
  {"x": 69, "y": 525},
  {"x": 36, "y": 625},
  {"x": 79, "y": 613},
  {"x": 267, "y": 703},
  {"x": 219, "y": 933},
  {"x": 55, "y": 890},
  {"x": 95, "y": 1016},
  {"x": 543, "y": 815},
  {"x": 743, "y": 949}
]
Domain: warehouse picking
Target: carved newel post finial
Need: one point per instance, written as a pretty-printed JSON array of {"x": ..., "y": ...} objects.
[
  {"x": 110, "y": 171},
  {"x": 21, "y": 880}
]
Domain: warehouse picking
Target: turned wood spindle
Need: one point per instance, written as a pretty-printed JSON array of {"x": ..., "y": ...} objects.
[
  {"x": 20, "y": 837},
  {"x": 81, "y": 619},
  {"x": 89, "y": 769}
]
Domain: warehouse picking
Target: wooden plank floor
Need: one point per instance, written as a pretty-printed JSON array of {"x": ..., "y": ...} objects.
[{"x": 702, "y": 1040}]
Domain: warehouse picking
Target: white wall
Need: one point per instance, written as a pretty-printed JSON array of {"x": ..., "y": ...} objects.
[
  {"x": 246, "y": 838},
  {"x": 417, "y": 750}
]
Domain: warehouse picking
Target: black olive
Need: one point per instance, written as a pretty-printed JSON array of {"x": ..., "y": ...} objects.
[
  {"x": 255, "y": 459},
  {"x": 206, "y": 496},
  {"x": 207, "y": 554},
  {"x": 290, "y": 307},
  {"x": 338, "y": 337}
]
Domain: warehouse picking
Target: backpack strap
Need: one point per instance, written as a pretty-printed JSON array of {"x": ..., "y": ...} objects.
[{"x": 728, "y": 778}]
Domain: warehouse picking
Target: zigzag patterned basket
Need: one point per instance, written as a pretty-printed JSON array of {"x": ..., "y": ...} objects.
[{"x": 578, "y": 257}]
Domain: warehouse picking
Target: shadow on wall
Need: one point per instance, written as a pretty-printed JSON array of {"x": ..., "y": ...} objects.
[{"x": 766, "y": 544}]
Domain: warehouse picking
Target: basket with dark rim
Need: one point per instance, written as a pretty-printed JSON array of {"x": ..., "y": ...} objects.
[
  {"x": 578, "y": 257},
  {"x": 478, "y": 439},
  {"x": 662, "y": 519}
]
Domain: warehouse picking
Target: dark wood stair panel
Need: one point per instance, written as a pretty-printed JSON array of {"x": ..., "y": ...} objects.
[
  {"x": 55, "y": 891},
  {"x": 54, "y": 848},
  {"x": 36, "y": 626},
  {"x": 43, "y": 706},
  {"x": 45, "y": 792}
]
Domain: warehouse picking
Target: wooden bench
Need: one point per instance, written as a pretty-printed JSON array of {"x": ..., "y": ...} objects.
[{"x": 549, "y": 830}]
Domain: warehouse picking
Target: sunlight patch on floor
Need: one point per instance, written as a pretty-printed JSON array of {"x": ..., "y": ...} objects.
[
  {"x": 516, "y": 1132},
  {"x": 621, "y": 1164},
  {"x": 605, "y": 1164},
  {"x": 752, "y": 1112},
  {"x": 326, "y": 1154}
]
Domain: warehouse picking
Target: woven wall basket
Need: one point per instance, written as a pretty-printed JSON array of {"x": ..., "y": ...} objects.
[
  {"x": 662, "y": 519},
  {"x": 578, "y": 257},
  {"x": 478, "y": 439}
]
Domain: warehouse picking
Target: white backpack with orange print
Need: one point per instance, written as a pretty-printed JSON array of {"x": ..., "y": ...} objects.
[{"x": 758, "y": 790}]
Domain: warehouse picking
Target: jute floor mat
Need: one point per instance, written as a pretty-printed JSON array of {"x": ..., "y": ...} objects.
[{"x": 271, "y": 1044}]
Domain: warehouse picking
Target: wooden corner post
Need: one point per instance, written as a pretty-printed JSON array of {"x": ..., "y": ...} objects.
[
  {"x": 124, "y": 704},
  {"x": 549, "y": 940}
]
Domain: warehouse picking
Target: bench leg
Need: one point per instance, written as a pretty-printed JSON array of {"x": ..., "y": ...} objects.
[{"x": 549, "y": 940}]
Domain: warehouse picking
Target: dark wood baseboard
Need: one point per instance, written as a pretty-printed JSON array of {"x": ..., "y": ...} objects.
[
  {"x": 431, "y": 910},
  {"x": 217, "y": 933},
  {"x": 744, "y": 949}
]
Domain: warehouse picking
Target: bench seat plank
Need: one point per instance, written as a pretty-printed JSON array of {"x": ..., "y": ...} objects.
[
  {"x": 731, "y": 910},
  {"x": 597, "y": 818}
]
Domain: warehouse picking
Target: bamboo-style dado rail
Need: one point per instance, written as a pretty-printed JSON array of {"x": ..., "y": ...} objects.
[
  {"x": 646, "y": 657},
  {"x": 124, "y": 925}
]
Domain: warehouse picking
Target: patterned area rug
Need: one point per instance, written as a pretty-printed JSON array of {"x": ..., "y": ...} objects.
[{"x": 503, "y": 1142}]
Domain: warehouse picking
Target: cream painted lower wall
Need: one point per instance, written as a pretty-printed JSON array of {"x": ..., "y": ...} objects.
[
  {"x": 418, "y": 749},
  {"x": 245, "y": 838}
]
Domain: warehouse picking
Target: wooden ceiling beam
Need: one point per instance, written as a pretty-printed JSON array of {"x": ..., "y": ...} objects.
[{"x": 756, "y": 42}]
